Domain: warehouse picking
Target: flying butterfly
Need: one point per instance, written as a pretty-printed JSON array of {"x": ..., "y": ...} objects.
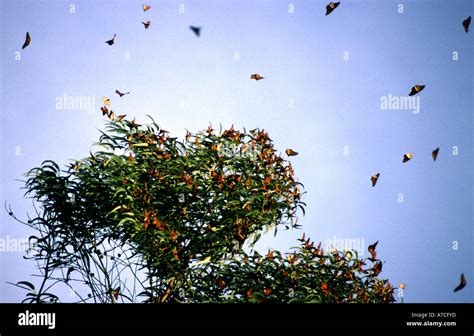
[
  {"x": 146, "y": 24},
  {"x": 121, "y": 94},
  {"x": 27, "y": 41},
  {"x": 291, "y": 152},
  {"x": 120, "y": 117},
  {"x": 257, "y": 77},
  {"x": 462, "y": 283},
  {"x": 407, "y": 157},
  {"x": 434, "y": 154},
  {"x": 146, "y": 7},
  {"x": 331, "y": 6},
  {"x": 416, "y": 89},
  {"x": 466, "y": 23},
  {"x": 196, "y": 30},
  {"x": 106, "y": 101},
  {"x": 116, "y": 292},
  {"x": 371, "y": 249},
  {"x": 111, "y": 41},
  {"x": 105, "y": 110},
  {"x": 374, "y": 179}
]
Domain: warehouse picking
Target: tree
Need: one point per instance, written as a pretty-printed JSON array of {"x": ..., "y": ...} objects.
[{"x": 173, "y": 216}]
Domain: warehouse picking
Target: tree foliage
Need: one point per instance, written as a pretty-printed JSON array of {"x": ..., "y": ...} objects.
[{"x": 150, "y": 218}]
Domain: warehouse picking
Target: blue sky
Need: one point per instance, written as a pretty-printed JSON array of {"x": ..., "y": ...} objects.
[{"x": 325, "y": 78}]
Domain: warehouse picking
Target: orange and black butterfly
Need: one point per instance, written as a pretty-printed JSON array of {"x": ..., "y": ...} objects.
[
  {"x": 116, "y": 292},
  {"x": 407, "y": 157},
  {"x": 466, "y": 23},
  {"x": 377, "y": 268},
  {"x": 371, "y": 249},
  {"x": 146, "y": 24},
  {"x": 105, "y": 110},
  {"x": 111, "y": 41},
  {"x": 416, "y": 89},
  {"x": 120, "y": 117},
  {"x": 462, "y": 283},
  {"x": 121, "y": 94},
  {"x": 434, "y": 154},
  {"x": 146, "y": 7},
  {"x": 106, "y": 101},
  {"x": 196, "y": 30},
  {"x": 331, "y": 6},
  {"x": 27, "y": 41},
  {"x": 257, "y": 77},
  {"x": 374, "y": 179},
  {"x": 291, "y": 152}
]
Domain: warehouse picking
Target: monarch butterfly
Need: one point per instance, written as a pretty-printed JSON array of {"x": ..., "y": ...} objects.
[
  {"x": 378, "y": 268},
  {"x": 27, "y": 41},
  {"x": 111, "y": 41},
  {"x": 416, "y": 89},
  {"x": 104, "y": 110},
  {"x": 146, "y": 24},
  {"x": 291, "y": 152},
  {"x": 116, "y": 292},
  {"x": 196, "y": 30},
  {"x": 106, "y": 101},
  {"x": 434, "y": 154},
  {"x": 407, "y": 157},
  {"x": 466, "y": 23},
  {"x": 372, "y": 247},
  {"x": 331, "y": 6},
  {"x": 462, "y": 283},
  {"x": 257, "y": 77},
  {"x": 374, "y": 179},
  {"x": 146, "y": 7},
  {"x": 120, "y": 93}
]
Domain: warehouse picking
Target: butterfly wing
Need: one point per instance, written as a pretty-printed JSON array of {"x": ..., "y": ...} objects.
[
  {"x": 466, "y": 24},
  {"x": 27, "y": 41},
  {"x": 196, "y": 30},
  {"x": 328, "y": 9},
  {"x": 462, "y": 283}
]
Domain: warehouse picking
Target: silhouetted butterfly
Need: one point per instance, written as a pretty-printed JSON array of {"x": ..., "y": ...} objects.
[
  {"x": 407, "y": 157},
  {"x": 291, "y": 152},
  {"x": 416, "y": 89},
  {"x": 462, "y": 283},
  {"x": 120, "y": 93},
  {"x": 112, "y": 41},
  {"x": 196, "y": 30},
  {"x": 27, "y": 41},
  {"x": 374, "y": 179},
  {"x": 331, "y": 6},
  {"x": 257, "y": 77},
  {"x": 146, "y": 24},
  {"x": 434, "y": 154},
  {"x": 466, "y": 24}
]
